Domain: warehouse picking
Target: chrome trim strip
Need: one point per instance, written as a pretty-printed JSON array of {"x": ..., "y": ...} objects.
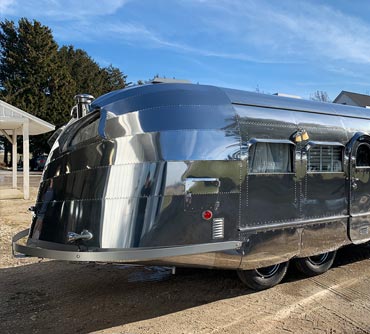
[
  {"x": 311, "y": 111},
  {"x": 327, "y": 143},
  {"x": 253, "y": 141},
  {"x": 295, "y": 224},
  {"x": 128, "y": 254},
  {"x": 363, "y": 214}
]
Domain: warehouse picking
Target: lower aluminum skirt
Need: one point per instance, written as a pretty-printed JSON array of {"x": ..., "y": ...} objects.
[{"x": 224, "y": 255}]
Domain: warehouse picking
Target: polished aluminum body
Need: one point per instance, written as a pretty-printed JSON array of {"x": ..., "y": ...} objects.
[{"x": 138, "y": 171}]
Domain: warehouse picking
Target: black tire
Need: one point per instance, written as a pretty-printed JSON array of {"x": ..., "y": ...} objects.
[
  {"x": 315, "y": 265},
  {"x": 263, "y": 278}
]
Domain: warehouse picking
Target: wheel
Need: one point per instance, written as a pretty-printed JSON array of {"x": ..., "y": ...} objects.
[
  {"x": 315, "y": 265},
  {"x": 263, "y": 278}
]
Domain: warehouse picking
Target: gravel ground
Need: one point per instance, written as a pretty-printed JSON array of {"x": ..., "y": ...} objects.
[{"x": 62, "y": 297}]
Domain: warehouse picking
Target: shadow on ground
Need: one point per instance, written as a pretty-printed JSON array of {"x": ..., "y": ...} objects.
[{"x": 61, "y": 297}]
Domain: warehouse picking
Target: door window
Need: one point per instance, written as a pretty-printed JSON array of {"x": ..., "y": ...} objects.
[{"x": 363, "y": 155}]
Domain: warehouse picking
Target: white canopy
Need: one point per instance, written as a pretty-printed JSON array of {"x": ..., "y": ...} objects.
[
  {"x": 14, "y": 122},
  {"x": 12, "y": 118}
]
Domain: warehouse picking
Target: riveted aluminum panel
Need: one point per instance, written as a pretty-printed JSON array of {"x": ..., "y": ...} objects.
[
  {"x": 174, "y": 117},
  {"x": 326, "y": 128},
  {"x": 264, "y": 123},
  {"x": 271, "y": 198},
  {"x": 325, "y": 194},
  {"x": 280, "y": 102},
  {"x": 152, "y": 96},
  {"x": 271, "y": 247},
  {"x": 354, "y": 126},
  {"x": 91, "y": 156},
  {"x": 266, "y": 116},
  {"x": 139, "y": 203},
  {"x": 147, "y": 147},
  {"x": 53, "y": 220},
  {"x": 325, "y": 237}
]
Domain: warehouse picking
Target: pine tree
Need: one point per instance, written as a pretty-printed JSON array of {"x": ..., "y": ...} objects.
[
  {"x": 31, "y": 78},
  {"x": 115, "y": 79},
  {"x": 88, "y": 76},
  {"x": 41, "y": 79}
]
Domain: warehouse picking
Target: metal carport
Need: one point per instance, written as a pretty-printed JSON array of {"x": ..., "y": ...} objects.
[{"x": 16, "y": 122}]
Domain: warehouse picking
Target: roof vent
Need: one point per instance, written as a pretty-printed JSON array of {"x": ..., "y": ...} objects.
[
  {"x": 83, "y": 105},
  {"x": 167, "y": 80},
  {"x": 287, "y": 95}
]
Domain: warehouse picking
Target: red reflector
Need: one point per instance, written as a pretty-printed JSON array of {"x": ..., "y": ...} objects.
[{"x": 207, "y": 215}]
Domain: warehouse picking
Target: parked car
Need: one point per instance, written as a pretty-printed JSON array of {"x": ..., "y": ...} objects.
[{"x": 38, "y": 162}]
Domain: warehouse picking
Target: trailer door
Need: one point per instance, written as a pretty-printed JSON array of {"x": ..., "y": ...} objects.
[
  {"x": 359, "y": 189},
  {"x": 271, "y": 187}
]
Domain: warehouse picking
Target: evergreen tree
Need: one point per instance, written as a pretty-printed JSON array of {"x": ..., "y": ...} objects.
[
  {"x": 88, "y": 76},
  {"x": 84, "y": 71},
  {"x": 115, "y": 79},
  {"x": 41, "y": 79},
  {"x": 31, "y": 78}
]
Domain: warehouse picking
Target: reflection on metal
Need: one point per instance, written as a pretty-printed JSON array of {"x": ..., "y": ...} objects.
[
  {"x": 213, "y": 253},
  {"x": 169, "y": 80},
  {"x": 202, "y": 185},
  {"x": 294, "y": 224},
  {"x": 157, "y": 156},
  {"x": 83, "y": 104},
  {"x": 84, "y": 235}
]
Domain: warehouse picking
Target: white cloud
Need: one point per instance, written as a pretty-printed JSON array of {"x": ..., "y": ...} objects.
[
  {"x": 5, "y": 6},
  {"x": 290, "y": 29},
  {"x": 260, "y": 31},
  {"x": 61, "y": 10},
  {"x": 264, "y": 32}
]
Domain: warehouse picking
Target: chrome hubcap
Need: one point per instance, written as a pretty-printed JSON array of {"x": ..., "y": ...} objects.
[
  {"x": 267, "y": 272},
  {"x": 318, "y": 259}
]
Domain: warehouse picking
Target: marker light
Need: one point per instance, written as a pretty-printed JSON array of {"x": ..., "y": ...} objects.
[{"x": 207, "y": 215}]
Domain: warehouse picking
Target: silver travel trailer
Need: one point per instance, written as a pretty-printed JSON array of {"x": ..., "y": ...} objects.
[{"x": 202, "y": 176}]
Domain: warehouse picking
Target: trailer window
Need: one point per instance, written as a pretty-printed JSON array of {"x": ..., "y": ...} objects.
[
  {"x": 271, "y": 158},
  {"x": 363, "y": 156},
  {"x": 325, "y": 158},
  {"x": 86, "y": 133}
]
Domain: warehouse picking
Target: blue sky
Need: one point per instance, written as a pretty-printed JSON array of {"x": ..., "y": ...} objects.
[{"x": 294, "y": 47}]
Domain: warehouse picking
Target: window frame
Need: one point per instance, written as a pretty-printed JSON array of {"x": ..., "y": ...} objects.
[
  {"x": 86, "y": 122},
  {"x": 312, "y": 144},
  {"x": 360, "y": 144},
  {"x": 255, "y": 141}
]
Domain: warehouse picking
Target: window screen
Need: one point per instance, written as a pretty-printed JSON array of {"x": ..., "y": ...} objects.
[
  {"x": 271, "y": 158},
  {"x": 325, "y": 158},
  {"x": 86, "y": 132}
]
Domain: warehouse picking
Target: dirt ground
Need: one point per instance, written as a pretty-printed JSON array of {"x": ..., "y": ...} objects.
[{"x": 61, "y": 297}]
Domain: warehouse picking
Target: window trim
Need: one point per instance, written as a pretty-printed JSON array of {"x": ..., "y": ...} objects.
[
  {"x": 361, "y": 143},
  {"x": 254, "y": 141},
  {"x": 82, "y": 125},
  {"x": 311, "y": 144}
]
